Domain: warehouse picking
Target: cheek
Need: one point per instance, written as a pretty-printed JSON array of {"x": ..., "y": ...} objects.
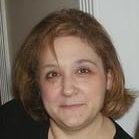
[
  {"x": 94, "y": 88},
  {"x": 49, "y": 94},
  {"x": 95, "y": 95}
]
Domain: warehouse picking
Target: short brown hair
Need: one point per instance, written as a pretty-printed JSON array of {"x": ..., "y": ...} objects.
[{"x": 68, "y": 22}]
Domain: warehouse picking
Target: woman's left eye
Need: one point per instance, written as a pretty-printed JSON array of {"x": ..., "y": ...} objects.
[{"x": 84, "y": 70}]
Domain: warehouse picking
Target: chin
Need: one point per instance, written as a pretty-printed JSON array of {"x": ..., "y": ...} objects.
[
  {"x": 73, "y": 127},
  {"x": 74, "y": 123}
]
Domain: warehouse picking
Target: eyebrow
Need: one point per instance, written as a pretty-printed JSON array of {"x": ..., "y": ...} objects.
[
  {"x": 86, "y": 61},
  {"x": 48, "y": 66}
]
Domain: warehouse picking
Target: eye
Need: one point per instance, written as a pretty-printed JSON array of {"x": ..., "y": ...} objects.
[
  {"x": 52, "y": 75},
  {"x": 83, "y": 70}
]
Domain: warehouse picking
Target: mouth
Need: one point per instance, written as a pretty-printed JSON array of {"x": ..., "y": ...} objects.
[{"x": 71, "y": 106}]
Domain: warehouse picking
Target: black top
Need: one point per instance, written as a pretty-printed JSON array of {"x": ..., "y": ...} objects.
[
  {"x": 120, "y": 133},
  {"x": 15, "y": 123}
]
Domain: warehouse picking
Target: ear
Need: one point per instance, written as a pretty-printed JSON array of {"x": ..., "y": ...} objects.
[{"x": 109, "y": 78}]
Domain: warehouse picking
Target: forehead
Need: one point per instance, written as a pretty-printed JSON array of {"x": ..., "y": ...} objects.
[{"x": 68, "y": 49}]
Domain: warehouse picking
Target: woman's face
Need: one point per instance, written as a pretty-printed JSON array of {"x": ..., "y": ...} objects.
[{"x": 73, "y": 86}]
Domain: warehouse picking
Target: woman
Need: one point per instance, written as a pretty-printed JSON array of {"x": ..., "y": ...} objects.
[{"x": 68, "y": 78}]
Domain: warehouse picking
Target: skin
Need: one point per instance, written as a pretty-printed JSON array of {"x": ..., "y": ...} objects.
[{"x": 73, "y": 90}]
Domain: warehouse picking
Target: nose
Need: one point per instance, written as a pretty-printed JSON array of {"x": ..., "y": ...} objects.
[{"x": 69, "y": 86}]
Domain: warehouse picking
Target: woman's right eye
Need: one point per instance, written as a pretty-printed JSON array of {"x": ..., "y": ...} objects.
[{"x": 52, "y": 75}]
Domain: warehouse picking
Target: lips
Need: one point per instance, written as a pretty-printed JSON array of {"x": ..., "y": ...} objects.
[{"x": 72, "y": 105}]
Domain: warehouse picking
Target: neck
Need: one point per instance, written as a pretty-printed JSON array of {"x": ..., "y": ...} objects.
[{"x": 96, "y": 129}]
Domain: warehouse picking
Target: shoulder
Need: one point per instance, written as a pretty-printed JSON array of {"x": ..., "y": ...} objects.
[
  {"x": 11, "y": 107},
  {"x": 12, "y": 113},
  {"x": 120, "y": 133},
  {"x": 16, "y": 123}
]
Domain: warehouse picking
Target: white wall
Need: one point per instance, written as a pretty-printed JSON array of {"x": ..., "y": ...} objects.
[{"x": 121, "y": 19}]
